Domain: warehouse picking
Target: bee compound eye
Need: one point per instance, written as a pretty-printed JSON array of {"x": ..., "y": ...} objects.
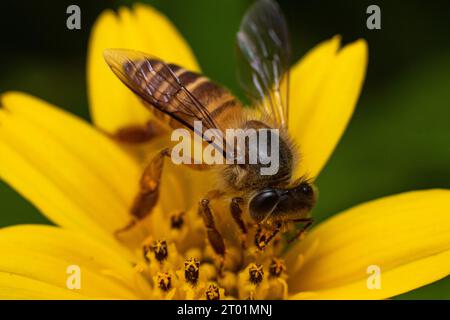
[{"x": 263, "y": 204}]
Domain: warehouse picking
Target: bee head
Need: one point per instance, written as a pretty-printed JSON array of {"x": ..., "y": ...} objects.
[{"x": 277, "y": 203}]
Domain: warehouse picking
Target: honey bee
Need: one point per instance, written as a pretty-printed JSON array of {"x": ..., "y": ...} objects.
[{"x": 179, "y": 97}]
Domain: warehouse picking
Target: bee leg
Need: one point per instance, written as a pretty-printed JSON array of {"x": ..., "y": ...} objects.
[
  {"x": 236, "y": 213},
  {"x": 148, "y": 194},
  {"x": 302, "y": 230},
  {"x": 214, "y": 236},
  {"x": 129, "y": 226},
  {"x": 135, "y": 134},
  {"x": 263, "y": 237},
  {"x": 147, "y": 197}
]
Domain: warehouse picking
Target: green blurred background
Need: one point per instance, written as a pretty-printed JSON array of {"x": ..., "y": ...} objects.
[{"x": 398, "y": 139}]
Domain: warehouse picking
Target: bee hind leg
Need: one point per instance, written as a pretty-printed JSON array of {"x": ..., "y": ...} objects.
[
  {"x": 135, "y": 134},
  {"x": 130, "y": 225},
  {"x": 148, "y": 194}
]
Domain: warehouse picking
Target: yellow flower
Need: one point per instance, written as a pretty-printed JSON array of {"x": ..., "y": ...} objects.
[{"x": 85, "y": 182}]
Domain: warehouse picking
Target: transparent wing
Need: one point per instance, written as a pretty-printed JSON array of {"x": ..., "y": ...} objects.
[
  {"x": 264, "y": 46},
  {"x": 157, "y": 83}
]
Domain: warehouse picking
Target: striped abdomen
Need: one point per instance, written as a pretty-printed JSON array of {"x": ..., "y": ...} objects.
[
  {"x": 177, "y": 95},
  {"x": 221, "y": 105}
]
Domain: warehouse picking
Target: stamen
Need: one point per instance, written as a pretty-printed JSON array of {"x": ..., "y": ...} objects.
[
  {"x": 277, "y": 267},
  {"x": 256, "y": 273},
  {"x": 159, "y": 248},
  {"x": 164, "y": 281},
  {"x": 191, "y": 270},
  {"x": 177, "y": 220},
  {"x": 212, "y": 293}
]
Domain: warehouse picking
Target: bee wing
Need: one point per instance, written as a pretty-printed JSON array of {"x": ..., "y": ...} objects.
[
  {"x": 156, "y": 83},
  {"x": 264, "y": 55}
]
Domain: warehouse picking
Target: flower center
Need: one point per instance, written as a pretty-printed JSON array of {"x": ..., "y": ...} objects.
[
  {"x": 256, "y": 273},
  {"x": 191, "y": 270},
  {"x": 183, "y": 265},
  {"x": 159, "y": 248},
  {"x": 164, "y": 281},
  {"x": 212, "y": 293},
  {"x": 177, "y": 220}
]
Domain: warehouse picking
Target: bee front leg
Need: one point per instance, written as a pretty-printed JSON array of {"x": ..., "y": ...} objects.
[
  {"x": 263, "y": 235},
  {"x": 236, "y": 213},
  {"x": 308, "y": 222},
  {"x": 214, "y": 236}
]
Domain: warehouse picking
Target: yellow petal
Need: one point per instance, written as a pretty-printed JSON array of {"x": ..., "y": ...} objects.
[
  {"x": 44, "y": 254},
  {"x": 315, "y": 65},
  {"x": 325, "y": 87},
  {"x": 394, "y": 282},
  {"x": 145, "y": 29},
  {"x": 162, "y": 39},
  {"x": 15, "y": 287},
  {"x": 76, "y": 176},
  {"x": 407, "y": 236}
]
